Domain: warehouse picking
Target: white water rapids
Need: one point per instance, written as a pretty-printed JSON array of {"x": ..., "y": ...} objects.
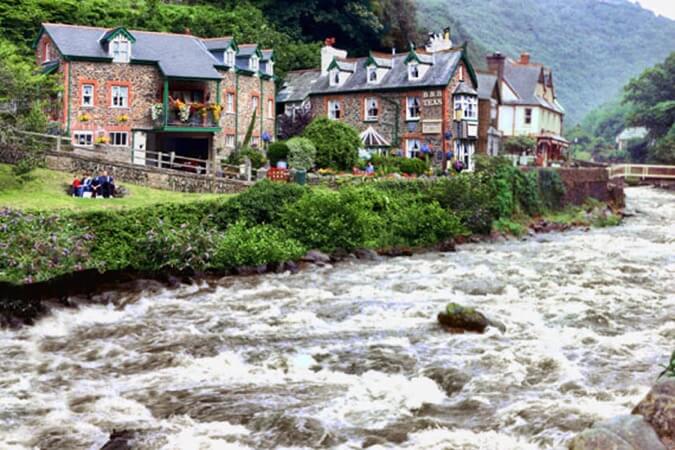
[{"x": 352, "y": 355}]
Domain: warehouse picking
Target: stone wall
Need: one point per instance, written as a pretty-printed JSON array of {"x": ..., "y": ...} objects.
[
  {"x": 145, "y": 176},
  {"x": 581, "y": 183}
]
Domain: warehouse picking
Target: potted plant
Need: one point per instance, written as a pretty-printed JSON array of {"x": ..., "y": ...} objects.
[
  {"x": 84, "y": 117},
  {"x": 157, "y": 112},
  {"x": 100, "y": 141}
]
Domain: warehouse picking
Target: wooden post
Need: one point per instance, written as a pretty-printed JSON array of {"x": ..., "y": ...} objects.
[
  {"x": 58, "y": 144},
  {"x": 247, "y": 168}
]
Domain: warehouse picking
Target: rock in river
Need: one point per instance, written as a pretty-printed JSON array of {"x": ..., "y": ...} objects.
[
  {"x": 658, "y": 409},
  {"x": 461, "y": 318},
  {"x": 619, "y": 433}
]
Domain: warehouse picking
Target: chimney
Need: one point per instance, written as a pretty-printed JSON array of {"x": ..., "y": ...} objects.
[
  {"x": 495, "y": 64},
  {"x": 393, "y": 56},
  {"x": 328, "y": 53},
  {"x": 524, "y": 58}
]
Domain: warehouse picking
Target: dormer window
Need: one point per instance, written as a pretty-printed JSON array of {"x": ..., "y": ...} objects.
[
  {"x": 372, "y": 74},
  {"x": 229, "y": 58},
  {"x": 334, "y": 77},
  {"x": 120, "y": 49},
  {"x": 254, "y": 63},
  {"x": 270, "y": 67},
  {"x": 413, "y": 71}
]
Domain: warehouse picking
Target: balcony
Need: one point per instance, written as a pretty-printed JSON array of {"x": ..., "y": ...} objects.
[{"x": 188, "y": 106}]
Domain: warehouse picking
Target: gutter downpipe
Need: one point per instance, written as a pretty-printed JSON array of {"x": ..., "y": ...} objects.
[{"x": 236, "y": 110}]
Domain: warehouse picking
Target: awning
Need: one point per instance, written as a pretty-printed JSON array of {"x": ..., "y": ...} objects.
[
  {"x": 49, "y": 68},
  {"x": 372, "y": 138},
  {"x": 553, "y": 138}
]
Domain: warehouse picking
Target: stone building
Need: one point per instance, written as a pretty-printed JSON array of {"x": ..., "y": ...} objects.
[
  {"x": 489, "y": 136},
  {"x": 422, "y": 101},
  {"x": 529, "y": 106},
  {"x": 158, "y": 91}
]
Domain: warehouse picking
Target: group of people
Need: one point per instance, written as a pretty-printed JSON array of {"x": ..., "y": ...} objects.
[{"x": 90, "y": 186}]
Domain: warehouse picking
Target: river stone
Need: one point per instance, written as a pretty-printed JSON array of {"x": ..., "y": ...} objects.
[
  {"x": 658, "y": 409},
  {"x": 461, "y": 318},
  {"x": 619, "y": 433},
  {"x": 316, "y": 257},
  {"x": 450, "y": 379},
  {"x": 120, "y": 440},
  {"x": 480, "y": 286},
  {"x": 366, "y": 254}
]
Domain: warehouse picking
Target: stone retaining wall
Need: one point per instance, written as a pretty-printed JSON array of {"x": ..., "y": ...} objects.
[
  {"x": 584, "y": 182},
  {"x": 142, "y": 175}
]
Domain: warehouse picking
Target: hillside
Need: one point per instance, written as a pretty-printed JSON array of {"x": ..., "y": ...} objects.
[{"x": 593, "y": 46}]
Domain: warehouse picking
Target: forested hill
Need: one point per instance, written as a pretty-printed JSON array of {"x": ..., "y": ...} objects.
[{"x": 594, "y": 46}]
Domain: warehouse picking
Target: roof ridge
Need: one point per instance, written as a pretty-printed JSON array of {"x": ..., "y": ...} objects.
[{"x": 215, "y": 38}]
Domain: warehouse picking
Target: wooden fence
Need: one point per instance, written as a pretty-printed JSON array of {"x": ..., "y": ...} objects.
[{"x": 642, "y": 171}]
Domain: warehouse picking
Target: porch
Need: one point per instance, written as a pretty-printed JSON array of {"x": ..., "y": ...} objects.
[{"x": 550, "y": 150}]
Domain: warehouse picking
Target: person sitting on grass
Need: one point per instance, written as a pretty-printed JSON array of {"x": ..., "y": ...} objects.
[
  {"x": 370, "y": 169},
  {"x": 77, "y": 187},
  {"x": 85, "y": 186},
  {"x": 107, "y": 185},
  {"x": 95, "y": 187}
]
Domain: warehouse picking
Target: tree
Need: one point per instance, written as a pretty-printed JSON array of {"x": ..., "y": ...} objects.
[
  {"x": 519, "y": 144},
  {"x": 652, "y": 95},
  {"x": 337, "y": 144},
  {"x": 290, "y": 125}
]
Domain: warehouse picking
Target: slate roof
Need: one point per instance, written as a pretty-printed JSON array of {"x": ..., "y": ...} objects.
[
  {"x": 465, "y": 89},
  {"x": 486, "y": 84},
  {"x": 297, "y": 85},
  {"x": 218, "y": 43},
  {"x": 267, "y": 54},
  {"x": 381, "y": 62},
  {"x": 523, "y": 78},
  {"x": 438, "y": 74}
]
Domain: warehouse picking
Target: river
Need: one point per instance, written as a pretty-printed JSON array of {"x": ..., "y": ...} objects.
[{"x": 351, "y": 355}]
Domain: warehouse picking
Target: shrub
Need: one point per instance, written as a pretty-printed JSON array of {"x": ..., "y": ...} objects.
[
  {"x": 35, "y": 119},
  {"x": 329, "y": 220},
  {"x": 467, "y": 195},
  {"x": 519, "y": 144},
  {"x": 336, "y": 143},
  {"x": 301, "y": 153},
  {"x": 551, "y": 188},
  {"x": 411, "y": 166},
  {"x": 245, "y": 245},
  {"x": 414, "y": 223},
  {"x": 508, "y": 226},
  {"x": 262, "y": 203},
  {"x": 277, "y": 151},
  {"x": 186, "y": 247},
  {"x": 257, "y": 158}
]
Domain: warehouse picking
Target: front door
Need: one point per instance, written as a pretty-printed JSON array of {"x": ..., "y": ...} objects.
[{"x": 140, "y": 142}]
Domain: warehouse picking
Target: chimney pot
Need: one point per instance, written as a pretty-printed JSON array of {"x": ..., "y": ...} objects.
[{"x": 524, "y": 58}]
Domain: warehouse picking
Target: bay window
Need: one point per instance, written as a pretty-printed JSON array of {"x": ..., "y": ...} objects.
[{"x": 467, "y": 106}]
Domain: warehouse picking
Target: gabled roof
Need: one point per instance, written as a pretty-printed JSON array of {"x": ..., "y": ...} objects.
[
  {"x": 267, "y": 54},
  {"x": 421, "y": 58},
  {"x": 371, "y": 138},
  {"x": 297, "y": 85},
  {"x": 341, "y": 65},
  {"x": 523, "y": 79},
  {"x": 176, "y": 55},
  {"x": 487, "y": 83},
  {"x": 377, "y": 61},
  {"x": 221, "y": 43},
  {"x": 113, "y": 32},
  {"x": 464, "y": 89}
]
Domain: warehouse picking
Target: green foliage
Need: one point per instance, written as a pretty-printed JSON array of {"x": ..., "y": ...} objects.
[
  {"x": 249, "y": 131},
  {"x": 336, "y": 143},
  {"x": 411, "y": 166},
  {"x": 185, "y": 247},
  {"x": 551, "y": 188},
  {"x": 583, "y": 79},
  {"x": 418, "y": 223},
  {"x": 277, "y": 151},
  {"x": 35, "y": 119},
  {"x": 245, "y": 245},
  {"x": 508, "y": 226},
  {"x": 261, "y": 204},
  {"x": 256, "y": 156},
  {"x": 519, "y": 144},
  {"x": 301, "y": 153},
  {"x": 669, "y": 370}
]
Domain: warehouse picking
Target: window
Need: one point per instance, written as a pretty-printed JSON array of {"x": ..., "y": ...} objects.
[
  {"x": 334, "y": 77},
  {"x": 255, "y": 141},
  {"x": 229, "y": 141},
  {"x": 372, "y": 109},
  {"x": 229, "y": 102},
  {"x": 119, "y": 139},
  {"x": 466, "y": 106},
  {"x": 87, "y": 95},
  {"x": 413, "y": 108},
  {"x": 120, "y": 97},
  {"x": 85, "y": 138},
  {"x": 413, "y": 71},
  {"x": 528, "y": 116},
  {"x": 254, "y": 63},
  {"x": 334, "y": 109},
  {"x": 372, "y": 74},
  {"x": 229, "y": 58},
  {"x": 120, "y": 49},
  {"x": 270, "y": 67},
  {"x": 254, "y": 103},
  {"x": 270, "y": 109},
  {"x": 412, "y": 148},
  {"x": 47, "y": 55}
]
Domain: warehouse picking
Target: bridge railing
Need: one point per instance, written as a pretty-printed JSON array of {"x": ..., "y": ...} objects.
[{"x": 642, "y": 171}]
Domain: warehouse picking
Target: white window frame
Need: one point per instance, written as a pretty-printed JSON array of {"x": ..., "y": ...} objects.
[
  {"x": 468, "y": 104},
  {"x": 229, "y": 57},
  {"x": 525, "y": 117},
  {"x": 87, "y": 135},
  {"x": 270, "y": 108},
  {"x": 116, "y": 91},
  {"x": 334, "y": 107},
  {"x": 367, "y": 104},
  {"x": 414, "y": 71},
  {"x": 229, "y": 103},
  {"x": 270, "y": 67},
  {"x": 254, "y": 63},
  {"x": 372, "y": 70},
  {"x": 410, "y": 150},
  {"x": 90, "y": 103},
  {"x": 409, "y": 104},
  {"x": 120, "y": 49},
  {"x": 48, "y": 52},
  {"x": 229, "y": 141},
  {"x": 255, "y": 102},
  {"x": 115, "y": 138}
]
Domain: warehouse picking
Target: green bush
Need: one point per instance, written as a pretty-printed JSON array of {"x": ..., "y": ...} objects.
[
  {"x": 245, "y": 245},
  {"x": 257, "y": 158},
  {"x": 35, "y": 119},
  {"x": 301, "y": 153},
  {"x": 412, "y": 223},
  {"x": 277, "y": 151},
  {"x": 411, "y": 166},
  {"x": 262, "y": 203},
  {"x": 551, "y": 188},
  {"x": 518, "y": 144},
  {"x": 336, "y": 143},
  {"x": 470, "y": 197}
]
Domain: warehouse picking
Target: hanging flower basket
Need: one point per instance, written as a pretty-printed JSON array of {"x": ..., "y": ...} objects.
[{"x": 84, "y": 117}]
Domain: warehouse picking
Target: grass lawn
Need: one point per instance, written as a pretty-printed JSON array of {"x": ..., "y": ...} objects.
[{"x": 45, "y": 190}]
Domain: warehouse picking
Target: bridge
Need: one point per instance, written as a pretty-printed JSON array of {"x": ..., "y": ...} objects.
[{"x": 647, "y": 173}]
